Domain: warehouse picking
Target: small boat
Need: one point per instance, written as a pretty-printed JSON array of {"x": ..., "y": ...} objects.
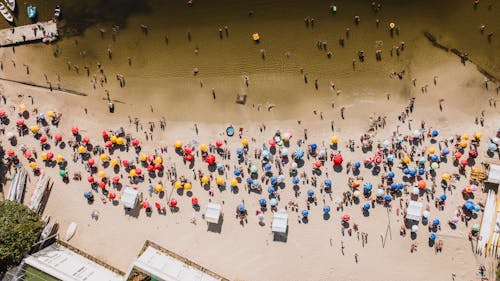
[
  {"x": 57, "y": 12},
  {"x": 71, "y": 231},
  {"x": 5, "y": 13},
  {"x": 31, "y": 11},
  {"x": 230, "y": 131},
  {"x": 256, "y": 37},
  {"x": 11, "y": 4}
]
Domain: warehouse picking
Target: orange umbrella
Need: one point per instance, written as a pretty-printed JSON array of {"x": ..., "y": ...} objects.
[{"x": 422, "y": 184}]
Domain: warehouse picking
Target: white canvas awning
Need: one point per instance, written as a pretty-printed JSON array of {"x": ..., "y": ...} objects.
[
  {"x": 414, "y": 211},
  {"x": 129, "y": 197},
  {"x": 280, "y": 221},
  {"x": 494, "y": 174},
  {"x": 212, "y": 212}
]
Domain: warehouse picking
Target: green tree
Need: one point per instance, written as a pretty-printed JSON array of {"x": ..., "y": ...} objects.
[{"x": 19, "y": 230}]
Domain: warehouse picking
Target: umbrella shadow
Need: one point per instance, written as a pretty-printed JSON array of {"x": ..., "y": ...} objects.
[
  {"x": 134, "y": 212},
  {"x": 206, "y": 187},
  {"x": 300, "y": 163},
  {"x": 180, "y": 191},
  {"x": 162, "y": 194},
  {"x": 212, "y": 168},
  {"x": 280, "y": 237},
  {"x": 216, "y": 227},
  {"x": 326, "y": 216},
  {"x": 413, "y": 235},
  {"x": 338, "y": 168}
]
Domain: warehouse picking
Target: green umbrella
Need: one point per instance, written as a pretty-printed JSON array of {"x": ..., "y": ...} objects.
[
  {"x": 62, "y": 173},
  {"x": 253, "y": 169},
  {"x": 475, "y": 227}
]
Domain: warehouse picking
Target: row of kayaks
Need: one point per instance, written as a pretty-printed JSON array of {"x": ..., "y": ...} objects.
[{"x": 31, "y": 10}]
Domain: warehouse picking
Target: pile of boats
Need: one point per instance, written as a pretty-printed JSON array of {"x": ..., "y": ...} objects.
[{"x": 9, "y": 7}]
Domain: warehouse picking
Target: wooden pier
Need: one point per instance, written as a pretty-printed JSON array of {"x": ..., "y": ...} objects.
[{"x": 28, "y": 33}]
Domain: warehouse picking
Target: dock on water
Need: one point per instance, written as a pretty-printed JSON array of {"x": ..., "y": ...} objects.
[{"x": 44, "y": 31}]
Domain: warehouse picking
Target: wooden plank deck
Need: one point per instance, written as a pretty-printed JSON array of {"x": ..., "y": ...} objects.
[{"x": 27, "y": 33}]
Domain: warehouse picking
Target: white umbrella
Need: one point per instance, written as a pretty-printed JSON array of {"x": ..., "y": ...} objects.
[
  {"x": 416, "y": 133},
  {"x": 415, "y": 191},
  {"x": 9, "y": 135},
  {"x": 380, "y": 192},
  {"x": 414, "y": 228},
  {"x": 294, "y": 165},
  {"x": 426, "y": 214}
]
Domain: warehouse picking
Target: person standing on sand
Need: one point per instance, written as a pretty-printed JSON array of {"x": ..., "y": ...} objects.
[
  {"x": 356, "y": 257},
  {"x": 213, "y": 93},
  {"x": 342, "y": 112}
]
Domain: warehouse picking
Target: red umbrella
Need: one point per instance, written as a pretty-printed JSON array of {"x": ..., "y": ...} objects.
[
  {"x": 108, "y": 144},
  {"x": 2, "y": 113},
  {"x": 135, "y": 142},
  {"x": 145, "y": 204},
  {"x": 27, "y": 154},
  {"x": 458, "y": 155},
  {"x": 43, "y": 139},
  {"x": 188, "y": 150},
  {"x": 473, "y": 153},
  {"x": 125, "y": 163},
  {"x": 464, "y": 163},
  {"x": 157, "y": 205},
  {"x": 105, "y": 135},
  {"x": 150, "y": 158},
  {"x": 138, "y": 171},
  {"x": 378, "y": 159},
  {"x": 10, "y": 153},
  {"x": 91, "y": 162},
  {"x": 318, "y": 164},
  {"x": 158, "y": 166},
  {"x": 116, "y": 179},
  {"x": 189, "y": 157},
  {"x": 173, "y": 203},
  {"x": 112, "y": 195},
  {"x": 337, "y": 160},
  {"x": 210, "y": 159},
  {"x": 50, "y": 155},
  {"x": 346, "y": 217},
  {"x": 85, "y": 140},
  {"x": 194, "y": 200},
  {"x": 58, "y": 137},
  {"x": 20, "y": 122},
  {"x": 150, "y": 168},
  {"x": 102, "y": 184},
  {"x": 218, "y": 143},
  {"x": 74, "y": 130},
  {"x": 90, "y": 179},
  {"x": 272, "y": 142}
]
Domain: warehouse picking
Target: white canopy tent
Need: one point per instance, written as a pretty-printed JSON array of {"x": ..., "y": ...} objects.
[
  {"x": 494, "y": 174},
  {"x": 212, "y": 212},
  {"x": 129, "y": 197},
  {"x": 414, "y": 211},
  {"x": 280, "y": 221}
]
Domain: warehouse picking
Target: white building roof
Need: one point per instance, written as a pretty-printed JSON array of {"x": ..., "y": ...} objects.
[
  {"x": 414, "y": 211},
  {"x": 129, "y": 197},
  {"x": 212, "y": 212},
  {"x": 166, "y": 268},
  {"x": 64, "y": 264},
  {"x": 494, "y": 174},
  {"x": 280, "y": 221}
]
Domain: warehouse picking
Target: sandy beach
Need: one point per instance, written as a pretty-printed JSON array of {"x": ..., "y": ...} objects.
[{"x": 445, "y": 95}]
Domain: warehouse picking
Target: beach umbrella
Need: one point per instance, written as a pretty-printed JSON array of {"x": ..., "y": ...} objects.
[
  {"x": 394, "y": 186},
  {"x": 103, "y": 157},
  {"x": 145, "y": 204},
  {"x": 465, "y": 137},
  {"x": 173, "y": 202},
  {"x": 346, "y": 218},
  {"x": 116, "y": 179},
  {"x": 34, "y": 129},
  {"x": 234, "y": 182},
  {"x": 326, "y": 209},
  {"x": 468, "y": 189},
  {"x": 294, "y": 166},
  {"x": 240, "y": 208},
  {"x": 253, "y": 169},
  {"x": 305, "y": 213},
  {"x": 463, "y": 143},
  {"x": 81, "y": 149},
  {"x": 43, "y": 139},
  {"x": 432, "y": 236},
  {"x": 406, "y": 171},
  {"x": 32, "y": 165},
  {"x": 434, "y": 158},
  {"x": 445, "y": 151},
  {"x": 434, "y": 133},
  {"x": 101, "y": 174},
  {"x": 20, "y": 122},
  {"x": 27, "y": 154},
  {"x": 274, "y": 180},
  {"x": 413, "y": 172},
  {"x": 102, "y": 184},
  {"x": 2, "y": 113},
  {"x": 476, "y": 227},
  {"x": 406, "y": 159},
  {"x": 328, "y": 183},
  {"x": 366, "y": 206},
  {"x": 111, "y": 195},
  {"x": 367, "y": 186},
  {"x": 426, "y": 214},
  {"x": 219, "y": 181},
  {"x": 74, "y": 130},
  {"x": 210, "y": 159},
  {"x": 177, "y": 144},
  {"x": 357, "y": 165},
  {"x": 189, "y": 158},
  {"x": 318, "y": 164},
  {"x": 273, "y": 202},
  {"x": 108, "y": 144},
  {"x": 59, "y": 158},
  {"x": 135, "y": 142},
  {"x": 90, "y": 179},
  {"x": 205, "y": 179},
  {"x": 265, "y": 154},
  {"x": 255, "y": 183},
  {"x": 435, "y": 222},
  {"x": 416, "y": 133},
  {"x": 464, "y": 162},
  {"x": 218, "y": 143},
  {"x": 244, "y": 142},
  {"x": 114, "y": 162},
  {"x": 203, "y": 147},
  {"x": 477, "y": 208},
  {"x": 310, "y": 192},
  {"x": 91, "y": 162},
  {"x": 249, "y": 180},
  {"x": 422, "y": 184},
  {"x": 298, "y": 153},
  {"x": 143, "y": 157},
  {"x": 105, "y": 135},
  {"x": 388, "y": 198},
  {"x": 150, "y": 168},
  {"x": 337, "y": 160},
  {"x": 159, "y": 188},
  {"x": 356, "y": 194},
  {"x": 391, "y": 175},
  {"x": 237, "y": 173},
  {"x": 177, "y": 184},
  {"x": 132, "y": 173},
  {"x": 87, "y": 195},
  {"x": 272, "y": 142},
  {"x": 10, "y": 153},
  {"x": 446, "y": 176},
  {"x": 295, "y": 180},
  {"x": 187, "y": 150},
  {"x": 334, "y": 140},
  {"x": 86, "y": 140},
  {"x": 314, "y": 146},
  {"x": 187, "y": 186},
  {"x": 432, "y": 150},
  {"x": 458, "y": 155},
  {"x": 194, "y": 201},
  {"x": 267, "y": 167},
  {"x": 386, "y": 143},
  {"x": 469, "y": 205},
  {"x": 271, "y": 190},
  {"x": 434, "y": 165},
  {"x": 287, "y": 135},
  {"x": 478, "y": 135},
  {"x": 421, "y": 171},
  {"x": 58, "y": 137},
  {"x": 492, "y": 147},
  {"x": 158, "y": 167},
  {"x": 380, "y": 192},
  {"x": 414, "y": 228},
  {"x": 262, "y": 202},
  {"x": 239, "y": 151},
  {"x": 50, "y": 155},
  {"x": 473, "y": 153}
]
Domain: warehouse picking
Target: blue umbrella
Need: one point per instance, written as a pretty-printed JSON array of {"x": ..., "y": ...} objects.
[
  {"x": 328, "y": 183},
  {"x": 443, "y": 197},
  {"x": 391, "y": 174},
  {"x": 434, "y": 157},
  {"x": 406, "y": 171},
  {"x": 357, "y": 165},
  {"x": 237, "y": 173},
  {"x": 326, "y": 209},
  {"x": 262, "y": 202},
  {"x": 390, "y": 157},
  {"x": 394, "y": 186},
  {"x": 314, "y": 146},
  {"x": 400, "y": 186},
  {"x": 388, "y": 198},
  {"x": 435, "y": 222},
  {"x": 367, "y": 186},
  {"x": 469, "y": 205},
  {"x": 432, "y": 236},
  {"x": 477, "y": 208},
  {"x": 298, "y": 153},
  {"x": 271, "y": 190},
  {"x": 264, "y": 154},
  {"x": 273, "y": 202},
  {"x": 367, "y": 206},
  {"x": 310, "y": 192},
  {"x": 87, "y": 195},
  {"x": 241, "y": 208},
  {"x": 421, "y": 171},
  {"x": 267, "y": 167},
  {"x": 435, "y": 133},
  {"x": 249, "y": 180},
  {"x": 220, "y": 167},
  {"x": 295, "y": 180},
  {"x": 413, "y": 172},
  {"x": 255, "y": 182},
  {"x": 274, "y": 180},
  {"x": 305, "y": 213},
  {"x": 422, "y": 160},
  {"x": 239, "y": 151},
  {"x": 445, "y": 151},
  {"x": 492, "y": 147}
]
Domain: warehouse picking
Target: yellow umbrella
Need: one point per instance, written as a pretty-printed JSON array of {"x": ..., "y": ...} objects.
[
  {"x": 219, "y": 181},
  {"x": 21, "y": 107},
  {"x": 59, "y": 158},
  {"x": 478, "y": 135},
  {"x": 177, "y": 184},
  {"x": 234, "y": 182},
  {"x": 143, "y": 157},
  {"x": 112, "y": 139},
  {"x": 51, "y": 114},
  {"x": 34, "y": 129},
  {"x": 204, "y": 180},
  {"x": 159, "y": 188},
  {"x": 463, "y": 143},
  {"x": 103, "y": 157},
  {"x": 432, "y": 150},
  {"x": 187, "y": 186},
  {"x": 101, "y": 174},
  {"x": 82, "y": 149},
  {"x": 335, "y": 139},
  {"x": 158, "y": 160},
  {"x": 132, "y": 173},
  {"x": 178, "y": 144},
  {"x": 32, "y": 165},
  {"x": 244, "y": 142},
  {"x": 465, "y": 137},
  {"x": 446, "y": 177},
  {"x": 44, "y": 155},
  {"x": 120, "y": 141},
  {"x": 113, "y": 162},
  {"x": 203, "y": 147},
  {"x": 406, "y": 159}
]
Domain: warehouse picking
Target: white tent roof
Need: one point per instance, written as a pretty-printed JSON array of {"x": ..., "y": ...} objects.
[
  {"x": 164, "y": 267},
  {"x": 64, "y": 264},
  {"x": 494, "y": 174},
  {"x": 280, "y": 221},
  {"x": 414, "y": 211},
  {"x": 129, "y": 197},
  {"x": 212, "y": 212}
]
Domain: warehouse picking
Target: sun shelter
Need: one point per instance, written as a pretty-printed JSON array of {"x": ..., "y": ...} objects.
[
  {"x": 129, "y": 197},
  {"x": 494, "y": 174},
  {"x": 414, "y": 211},
  {"x": 212, "y": 212},
  {"x": 280, "y": 221}
]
